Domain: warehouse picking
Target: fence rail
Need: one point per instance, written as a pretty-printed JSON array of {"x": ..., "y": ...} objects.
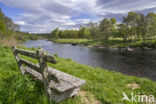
[{"x": 58, "y": 85}]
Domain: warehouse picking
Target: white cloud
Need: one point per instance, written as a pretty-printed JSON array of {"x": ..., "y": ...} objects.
[
  {"x": 20, "y": 22},
  {"x": 124, "y": 6},
  {"x": 45, "y": 15}
]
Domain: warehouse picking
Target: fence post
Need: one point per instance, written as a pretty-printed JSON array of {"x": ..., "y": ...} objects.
[
  {"x": 17, "y": 60},
  {"x": 44, "y": 70},
  {"x": 42, "y": 60}
]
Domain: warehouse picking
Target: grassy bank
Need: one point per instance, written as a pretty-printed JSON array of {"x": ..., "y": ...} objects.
[
  {"x": 114, "y": 43},
  {"x": 70, "y": 41},
  {"x": 103, "y": 87},
  {"x": 16, "y": 39}
]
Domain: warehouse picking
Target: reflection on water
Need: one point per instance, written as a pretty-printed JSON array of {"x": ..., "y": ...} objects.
[{"x": 138, "y": 63}]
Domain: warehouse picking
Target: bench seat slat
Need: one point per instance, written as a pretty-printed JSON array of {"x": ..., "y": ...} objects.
[
  {"x": 67, "y": 81},
  {"x": 32, "y": 72}
]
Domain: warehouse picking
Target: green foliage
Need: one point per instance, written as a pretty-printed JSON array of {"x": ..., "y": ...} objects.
[
  {"x": 83, "y": 33},
  {"x": 113, "y": 42},
  {"x": 22, "y": 36},
  {"x": 102, "y": 84},
  {"x": 93, "y": 30},
  {"x": 68, "y": 34},
  {"x": 55, "y": 33},
  {"x": 11, "y": 25},
  {"x": 106, "y": 28},
  {"x": 134, "y": 27},
  {"x": 10, "y": 30},
  {"x": 6, "y": 23},
  {"x": 2, "y": 26}
]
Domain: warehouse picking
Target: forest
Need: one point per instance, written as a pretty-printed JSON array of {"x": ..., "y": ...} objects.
[{"x": 135, "y": 27}]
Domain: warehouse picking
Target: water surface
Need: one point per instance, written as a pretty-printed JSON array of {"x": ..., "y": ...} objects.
[{"x": 141, "y": 63}]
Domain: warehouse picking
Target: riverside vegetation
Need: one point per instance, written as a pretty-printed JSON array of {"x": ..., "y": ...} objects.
[
  {"x": 113, "y": 43},
  {"x": 102, "y": 86},
  {"x": 135, "y": 30},
  {"x": 10, "y": 32}
]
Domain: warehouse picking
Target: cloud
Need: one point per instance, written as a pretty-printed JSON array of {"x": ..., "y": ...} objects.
[
  {"x": 124, "y": 6},
  {"x": 148, "y": 10},
  {"x": 20, "y": 22},
  {"x": 46, "y": 15},
  {"x": 117, "y": 16}
]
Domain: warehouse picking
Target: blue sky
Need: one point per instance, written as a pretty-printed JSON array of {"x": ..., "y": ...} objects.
[
  {"x": 39, "y": 16},
  {"x": 11, "y": 12}
]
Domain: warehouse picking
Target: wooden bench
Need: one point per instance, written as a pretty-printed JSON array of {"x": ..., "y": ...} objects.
[{"x": 58, "y": 85}]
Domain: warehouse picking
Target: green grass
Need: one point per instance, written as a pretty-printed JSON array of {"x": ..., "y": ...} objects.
[
  {"x": 114, "y": 43},
  {"x": 105, "y": 86},
  {"x": 70, "y": 41}
]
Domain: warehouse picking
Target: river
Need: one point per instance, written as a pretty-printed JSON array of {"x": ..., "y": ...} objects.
[{"x": 141, "y": 63}]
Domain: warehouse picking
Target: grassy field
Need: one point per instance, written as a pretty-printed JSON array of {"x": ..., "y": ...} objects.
[
  {"x": 70, "y": 41},
  {"x": 114, "y": 43},
  {"x": 102, "y": 87}
]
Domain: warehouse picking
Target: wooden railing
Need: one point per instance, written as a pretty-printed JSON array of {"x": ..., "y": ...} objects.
[{"x": 58, "y": 85}]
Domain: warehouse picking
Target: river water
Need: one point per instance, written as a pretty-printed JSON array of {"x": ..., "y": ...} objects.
[{"x": 141, "y": 63}]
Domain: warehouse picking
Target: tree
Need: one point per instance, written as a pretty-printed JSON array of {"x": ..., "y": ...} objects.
[
  {"x": 2, "y": 23},
  {"x": 93, "y": 29},
  {"x": 113, "y": 26},
  {"x": 122, "y": 31},
  {"x": 2, "y": 26},
  {"x": 151, "y": 24},
  {"x": 131, "y": 22},
  {"x": 60, "y": 34},
  {"x": 104, "y": 30},
  {"x": 106, "y": 26},
  {"x": 55, "y": 33},
  {"x": 83, "y": 32},
  {"x": 142, "y": 26},
  {"x": 10, "y": 25}
]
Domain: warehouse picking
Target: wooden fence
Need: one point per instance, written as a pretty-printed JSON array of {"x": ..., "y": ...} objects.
[{"x": 58, "y": 85}]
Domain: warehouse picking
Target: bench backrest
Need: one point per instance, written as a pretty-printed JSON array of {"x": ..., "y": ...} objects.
[{"x": 40, "y": 55}]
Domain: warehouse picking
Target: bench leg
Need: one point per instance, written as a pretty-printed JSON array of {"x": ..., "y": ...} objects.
[{"x": 57, "y": 97}]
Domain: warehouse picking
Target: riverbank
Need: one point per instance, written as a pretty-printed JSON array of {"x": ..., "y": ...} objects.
[
  {"x": 103, "y": 86},
  {"x": 112, "y": 43}
]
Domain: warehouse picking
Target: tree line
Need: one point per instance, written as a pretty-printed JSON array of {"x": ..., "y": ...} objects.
[
  {"x": 9, "y": 31},
  {"x": 134, "y": 26},
  {"x": 6, "y": 24}
]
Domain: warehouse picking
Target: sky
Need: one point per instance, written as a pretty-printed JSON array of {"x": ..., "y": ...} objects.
[{"x": 42, "y": 16}]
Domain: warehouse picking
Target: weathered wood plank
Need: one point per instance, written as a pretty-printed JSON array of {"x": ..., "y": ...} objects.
[
  {"x": 33, "y": 73},
  {"x": 50, "y": 58},
  {"x": 27, "y": 53},
  {"x": 67, "y": 81},
  {"x": 29, "y": 64}
]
